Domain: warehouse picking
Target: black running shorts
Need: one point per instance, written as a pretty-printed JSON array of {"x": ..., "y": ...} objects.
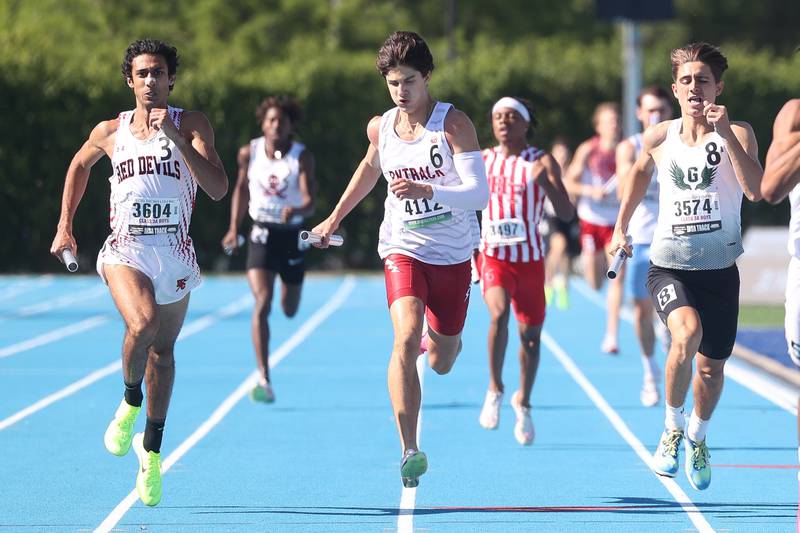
[
  {"x": 714, "y": 294},
  {"x": 280, "y": 253}
]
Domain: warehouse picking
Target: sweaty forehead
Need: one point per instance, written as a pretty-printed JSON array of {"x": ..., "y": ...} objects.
[
  {"x": 148, "y": 61},
  {"x": 694, "y": 68},
  {"x": 273, "y": 113},
  {"x": 650, "y": 101},
  {"x": 402, "y": 72}
]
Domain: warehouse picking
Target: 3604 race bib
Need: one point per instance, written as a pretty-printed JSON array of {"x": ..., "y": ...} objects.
[
  {"x": 422, "y": 212},
  {"x": 695, "y": 212},
  {"x": 504, "y": 232},
  {"x": 153, "y": 216}
]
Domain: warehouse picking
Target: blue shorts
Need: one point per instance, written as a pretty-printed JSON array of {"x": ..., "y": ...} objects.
[{"x": 636, "y": 272}]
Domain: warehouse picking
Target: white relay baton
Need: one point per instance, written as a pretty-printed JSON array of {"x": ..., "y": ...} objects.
[
  {"x": 617, "y": 262},
  {"x": 239, "y": 243},
  {"x": 69, "y": 260},
  {"x": 315, "y": 238}
]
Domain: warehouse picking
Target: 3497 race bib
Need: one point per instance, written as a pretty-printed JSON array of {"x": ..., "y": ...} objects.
[
  {"x": 695, "y": 212},
  {"x": 423, "y": 212},
  {"x": 153, "y": 216},
  {"x": 505, "y": 232}
]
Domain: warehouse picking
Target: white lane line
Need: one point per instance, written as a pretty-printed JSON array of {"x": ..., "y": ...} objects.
[
  {"x": 60, "y": 395},
  {"x": 569, "y": 365},
  {"x": 190, "y": 329},
  {"x": 225, "y": 407},
  {"x": 65, "y": 300},
  {"x": 766, "y": 386},
  {"x": 25, "y": 285},
  {"x": 408, "y": 498},
  {"x": 52, "y": 336},
  {"x": 755, "y": 379}
]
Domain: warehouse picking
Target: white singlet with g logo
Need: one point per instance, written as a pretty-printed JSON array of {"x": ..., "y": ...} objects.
[
  {"x": 274, "y": 183},
  {"x": 699, "y": 221},
  {"x": 423, "y": 229}
]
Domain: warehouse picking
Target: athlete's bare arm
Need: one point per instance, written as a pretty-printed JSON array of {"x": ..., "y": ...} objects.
[
  {"x": 99, "y": 143},
  {"x": 742, "y": 149},
  {"x": 240, "y": 199},
  {"x": 547, "y": 174},
  {"x": 308, "y": 188},
  {"x": 572, "y": 179},
  {"x": 363, "y": 181},
  {"x": 196, "y": 142},
  {"x": 460, "y": 132},
  {"x": 625, "y": 157},
  {"x": 782, "y": 172},
  {"x": 635, "y": 184}
]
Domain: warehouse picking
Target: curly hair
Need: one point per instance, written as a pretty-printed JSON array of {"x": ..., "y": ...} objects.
[
  {"x": 288, "y": 106},
  {"x": 404, "y": 48},
  {"x": 152, "y": 47}
]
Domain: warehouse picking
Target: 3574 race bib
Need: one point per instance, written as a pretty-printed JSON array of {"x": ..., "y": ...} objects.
[
  {"x": 695, "y": 212},
  {"x": 153, "y": 216},
  {"x": 423, "y": 212},
  {"x": 504, "y": 232}
]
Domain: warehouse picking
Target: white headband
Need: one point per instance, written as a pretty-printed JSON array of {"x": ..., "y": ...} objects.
[{"x": 512, "y": 103}]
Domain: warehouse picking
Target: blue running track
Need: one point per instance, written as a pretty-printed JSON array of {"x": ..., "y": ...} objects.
[{"x": 325, "y": 457}]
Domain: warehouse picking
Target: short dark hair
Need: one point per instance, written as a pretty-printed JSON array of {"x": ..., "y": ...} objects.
[
  {"x": 152, "y": 47},
  {"x": 286, "y": 104},
  {"x": 653, "y": 90},
  {"x": 703, "y": 52},
  {"x": 404, "y": 48}
]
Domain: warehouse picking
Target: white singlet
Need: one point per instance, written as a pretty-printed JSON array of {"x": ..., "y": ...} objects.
[
  {"x": 152, "y": 197},
  {"x": 699, "y": 221},
  {"x": 510, "y": 222},
  {"x": 794, "y": 222},
  {"x": 425, "y": 230},
  {"x": 643, "y": 222},
  {"x": 792, "y": 315},
  {"x": 274, "y": 183}
]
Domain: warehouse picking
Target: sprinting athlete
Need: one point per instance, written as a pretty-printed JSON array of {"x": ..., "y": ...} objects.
[
  {"x": 512, "y": 253},
  {"x": 428, "y": 152},
  {"x": 592, "y": 178},
  {"x": 276, "y": 187},
  {"x": 705, "y": 163},
  {"x": 653, "y": 105},
  {"x": 781, "y": 178},
  {"x": 160, "y": 154}
]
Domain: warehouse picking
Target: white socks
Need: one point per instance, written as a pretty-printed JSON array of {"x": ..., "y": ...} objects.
[
  {"x": 674, "y": 419},
  {"x": 697, "y": 428},
  {"x": 650, "y": 366}
]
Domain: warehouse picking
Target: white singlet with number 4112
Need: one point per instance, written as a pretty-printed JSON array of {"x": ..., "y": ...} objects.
[{"x": 423, "y": 229}]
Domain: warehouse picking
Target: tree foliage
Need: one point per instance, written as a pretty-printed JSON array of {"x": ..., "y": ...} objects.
[{"x": 60, "y": 75}]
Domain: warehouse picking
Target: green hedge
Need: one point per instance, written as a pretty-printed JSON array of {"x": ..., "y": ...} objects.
[{"x": 59, "y": 76}]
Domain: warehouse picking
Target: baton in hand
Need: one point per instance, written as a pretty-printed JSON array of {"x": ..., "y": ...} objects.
[
  {"x": 69, "y": 260},
  {"x": 618, "y": 261},
  {"x": 316, "y": 238}
]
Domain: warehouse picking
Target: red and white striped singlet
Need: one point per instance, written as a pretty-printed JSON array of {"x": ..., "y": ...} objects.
[{"x": 509, "y": 229}]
